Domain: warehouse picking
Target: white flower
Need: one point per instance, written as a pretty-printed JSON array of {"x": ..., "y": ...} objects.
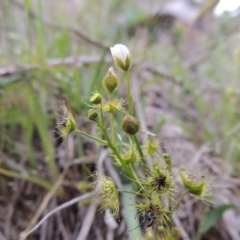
[{"x": 121, "y": 56}]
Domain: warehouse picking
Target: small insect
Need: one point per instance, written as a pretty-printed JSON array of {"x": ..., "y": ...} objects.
[{"x": 148, "y": 216}]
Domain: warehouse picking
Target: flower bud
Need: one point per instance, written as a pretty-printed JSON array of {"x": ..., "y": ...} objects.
[
  {"x": 110, "y": 82},
  {"x": 92, "y": 114},
  {"x": 121, "y": 56},
  {"x": 130, "y": 125},
  {"x": 96, "y": 98}
]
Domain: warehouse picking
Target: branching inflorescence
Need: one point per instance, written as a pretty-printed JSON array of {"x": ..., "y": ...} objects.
[{"x": 155, "y": 188}]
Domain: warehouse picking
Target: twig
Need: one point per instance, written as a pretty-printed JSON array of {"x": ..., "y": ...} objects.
[
  {"x": 46, "y": 200},
  {"x": 113, "y": 173},
  {"x": 61, "y": 227},
  {"x": 180, "y": 227},
  {"x": 59, "y": 208},
  {"x": 10, "y": 211},
  {"x": 75, "y": 31},
  {"x": 80, "y": 214},
  {"x": 40, "y": 182},
  {"x": 204, "y": 149},
  {"x": 92, "y": 209},
  {"x": 12, "y": 164},
  {"x": 44, "y": 227},
  {"x": 161, "y": 72},
  {"x": 55, "y": 187},
  {"x": 2, "y": 237},
  {"x": 78, "y": 61},
  {"x": 79, "y": 34},
  {"x": 87, "y": 223},
  {"x": 98, "y": 233},
  {"x": 111, "y": 224},
  {"x": 115, "y": 176},
  {"x": 85, "y": 159}
]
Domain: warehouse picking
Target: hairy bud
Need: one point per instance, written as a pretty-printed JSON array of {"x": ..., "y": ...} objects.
[
  {"x": 130, "y": 125},
  {"x": 93, "y": 114},
  {"x": 96, "y": 98},
  {"x": 110, "y": 81}
]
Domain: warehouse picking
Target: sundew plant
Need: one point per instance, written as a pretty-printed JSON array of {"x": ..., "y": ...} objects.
[{"x": 155, "y": 190}]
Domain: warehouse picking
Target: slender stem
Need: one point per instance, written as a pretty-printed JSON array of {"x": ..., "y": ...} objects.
[
  {"x": 143, "y": 160},
  {"x": 115, "y": 151},
  {"x": 168, "y": 161},
  {"x": 125, "y": 191},
  {"x": 131, "y": 167},
  {"x": 130, "y": 102},
  {"x": 112, "y": 129},
  {"x": 93, "y": 138},
  {"x": 170, "y": 200},
  {"x": 112, "y": 123},
  {"x": 179, "y": 201},
  {"x": 135, "y": 175},
  {"x": 102, "y": 117},
  {"x": 131, "y": 192}
]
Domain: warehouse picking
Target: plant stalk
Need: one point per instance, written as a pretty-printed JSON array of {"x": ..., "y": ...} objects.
[
  {"x": 130, "y": 101},
  {"x": 143, "y": 160},
  {"x": 112, "y": 128},
  {"x": 91, "y": 137},
  {"x": 179, "y": 201}
]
